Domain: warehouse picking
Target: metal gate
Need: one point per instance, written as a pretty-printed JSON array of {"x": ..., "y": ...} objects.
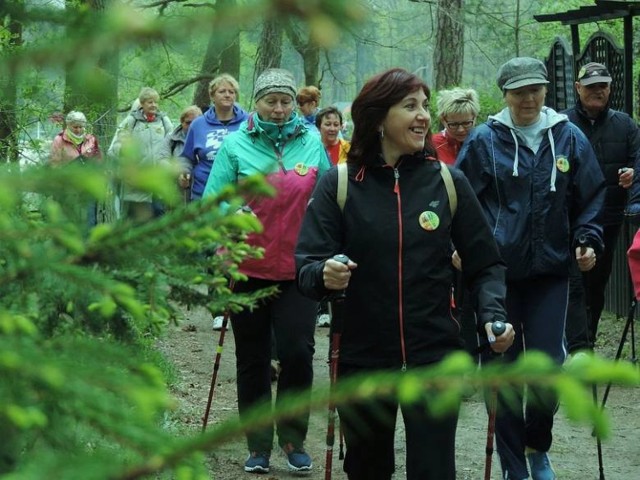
[{"x": 561, "y": 93}]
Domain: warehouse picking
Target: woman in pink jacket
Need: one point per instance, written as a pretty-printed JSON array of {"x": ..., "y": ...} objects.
[{"x": 73, "y": 144}]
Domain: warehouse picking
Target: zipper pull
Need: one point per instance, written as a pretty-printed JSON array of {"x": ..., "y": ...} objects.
[
  {"x": 404, "y": 367},
  {"x": 396, "y": 186}
]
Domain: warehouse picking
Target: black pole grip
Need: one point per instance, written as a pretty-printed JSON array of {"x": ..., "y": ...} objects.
[
  {"x": 337, "y": 301},
  {"x": 498, "y": 328}
]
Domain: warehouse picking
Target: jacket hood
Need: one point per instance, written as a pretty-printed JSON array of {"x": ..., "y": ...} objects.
[
  {"x": 549, "y": 119},
  {"x": 238, "y": 116},
  {"x": 277, "y": 133},
  {"x": 549, "y": 116}
]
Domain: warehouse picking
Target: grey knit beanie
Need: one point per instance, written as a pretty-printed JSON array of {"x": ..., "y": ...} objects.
[
  {"x": 274, "y": 80},
  {"x": 75, "y": 117}
]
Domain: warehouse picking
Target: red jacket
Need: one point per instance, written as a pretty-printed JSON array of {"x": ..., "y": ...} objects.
[
  {"x": 446, "y": 146},
  {"x": 633, "y": 255}
]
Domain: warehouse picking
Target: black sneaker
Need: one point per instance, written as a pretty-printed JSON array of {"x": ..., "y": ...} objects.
[
  {"x": 257, "y": 462},
  {"x": 297, "y": 459}
]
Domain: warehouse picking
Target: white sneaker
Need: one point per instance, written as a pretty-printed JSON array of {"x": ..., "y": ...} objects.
[
  {"x": 323, "y": 320},
  {"x": 217, "y": 323}
]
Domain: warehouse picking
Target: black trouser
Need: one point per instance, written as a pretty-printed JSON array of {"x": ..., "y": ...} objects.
[
  {"x": 292, "y": 318},
  {"x": 466, "y": 316},
  {"x": 580, "y": 331},
  {"x": 369, "y": 430}
]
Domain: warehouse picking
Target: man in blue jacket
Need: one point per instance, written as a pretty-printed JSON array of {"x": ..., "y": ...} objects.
[{"x": 616, "y": 142}]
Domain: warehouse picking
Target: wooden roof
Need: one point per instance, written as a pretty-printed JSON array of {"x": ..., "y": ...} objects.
[{"x": 602, "y": 10}]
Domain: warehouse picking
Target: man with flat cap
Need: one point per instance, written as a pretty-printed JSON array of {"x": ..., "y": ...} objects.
[{"x": 616, "y": 141}]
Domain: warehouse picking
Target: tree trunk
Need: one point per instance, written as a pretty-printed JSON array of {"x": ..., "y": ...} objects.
[
  {"x": 222, "y": 56},
  {"x": 309, "y": 52},
  {"x": 361, "y": 64},
  {"x": 270, "y": 48},
  {"x": 8, "y": 98},
  {"x": 92, "y": 87},
  {"x": 448, "y": 55}
]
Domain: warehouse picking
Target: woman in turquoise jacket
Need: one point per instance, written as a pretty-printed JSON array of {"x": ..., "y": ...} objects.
[{"x": 273, "y": 142}]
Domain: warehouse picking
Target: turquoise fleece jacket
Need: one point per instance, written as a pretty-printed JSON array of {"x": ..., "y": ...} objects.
[{"x": 292, "y": 159}]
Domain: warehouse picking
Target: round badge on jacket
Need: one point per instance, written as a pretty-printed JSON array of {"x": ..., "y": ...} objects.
[
  {"x": 301, "y": 169},
  {"x": 429, "y": 220},
  {"x": 562, "y": 164}
]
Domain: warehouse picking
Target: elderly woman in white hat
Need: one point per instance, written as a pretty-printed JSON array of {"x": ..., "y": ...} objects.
[
  {"x": 539, "y": 183},
  {"x": 273, "y": 142},
  {"x": 74, "y": 144}
]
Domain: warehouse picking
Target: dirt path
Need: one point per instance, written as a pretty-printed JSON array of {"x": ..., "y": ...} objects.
[{"x": 192, "y": 349}]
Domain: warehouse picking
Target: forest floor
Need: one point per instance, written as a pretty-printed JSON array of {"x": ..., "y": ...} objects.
[{"x": 191, "y": 348}]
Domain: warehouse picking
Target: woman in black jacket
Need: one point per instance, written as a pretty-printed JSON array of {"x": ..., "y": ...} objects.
[{"x": 397, "y": 227}]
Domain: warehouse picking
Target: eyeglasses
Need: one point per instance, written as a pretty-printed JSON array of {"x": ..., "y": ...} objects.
[{"x": 456, "y": 125}]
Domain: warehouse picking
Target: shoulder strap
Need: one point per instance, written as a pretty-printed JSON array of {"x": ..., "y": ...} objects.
[
  {"x": 343, "y": 182},
  {"x": 165, "y": 119},
  {"x": 451, "y": 189},
  {"x": 132, "y": 121}
]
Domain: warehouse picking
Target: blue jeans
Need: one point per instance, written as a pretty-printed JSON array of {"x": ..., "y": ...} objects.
[{"x": 537, "y": 309}]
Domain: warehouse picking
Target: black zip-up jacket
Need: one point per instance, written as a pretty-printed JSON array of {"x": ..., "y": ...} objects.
[
  {"x": 615, "y": 139},
  {"x": 398, "y": 300}
]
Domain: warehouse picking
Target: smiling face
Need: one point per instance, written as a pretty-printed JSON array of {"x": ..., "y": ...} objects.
[
  {"x": 594, "y": 97},
  {"x": 330, "y": 128},
  {"x": 224, "y": 96},
  {"x": 275, "y": 108},
  {"x": 405, "y": 127},
  {"x": 525, "y": 103}
]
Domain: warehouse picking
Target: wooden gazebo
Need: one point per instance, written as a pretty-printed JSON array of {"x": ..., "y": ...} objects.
[{"x": 603, "y": 10}]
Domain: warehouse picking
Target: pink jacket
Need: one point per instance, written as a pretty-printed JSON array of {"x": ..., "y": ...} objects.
[{"x": 63, "y": 151}]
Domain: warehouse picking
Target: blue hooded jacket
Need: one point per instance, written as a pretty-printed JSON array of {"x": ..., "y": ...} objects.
[
  {"x": 203, "y": 143},
  {"x": 538, "y": 204}
]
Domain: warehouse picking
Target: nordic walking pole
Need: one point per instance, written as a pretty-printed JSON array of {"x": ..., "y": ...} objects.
[
  {"x": 497, "y": 328},
  {"x": 335, "y": 332},
  {"x": 627, "y": 235},
  {"x": 582, "y": 243},
  {"x": 216, "y": 363},
  {"x": 623, "y": 339}
]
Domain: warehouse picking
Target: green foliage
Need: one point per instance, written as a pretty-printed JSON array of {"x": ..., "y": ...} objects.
[
  {"x": 83, "y": 393},
  {"x": 78, "y": 305}
]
